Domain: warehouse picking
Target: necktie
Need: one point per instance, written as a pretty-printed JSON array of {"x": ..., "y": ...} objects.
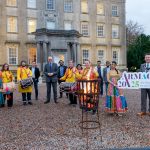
[{"x": 50, "y": 66}]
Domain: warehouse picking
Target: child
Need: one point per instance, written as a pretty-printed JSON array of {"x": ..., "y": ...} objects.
[{"x": 1, "y": 89}]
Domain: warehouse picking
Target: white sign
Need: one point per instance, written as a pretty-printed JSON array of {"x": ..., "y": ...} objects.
[{"x": 134, "y": 80}]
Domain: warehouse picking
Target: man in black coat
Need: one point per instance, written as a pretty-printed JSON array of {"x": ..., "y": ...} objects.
[
  {"x": 61, "y": 71},
  {"x": 35, "y": 77},
  {"x": 50, "y": 71}
]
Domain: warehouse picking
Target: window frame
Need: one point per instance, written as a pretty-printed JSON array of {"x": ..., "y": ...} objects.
[
  {"x": 84, "y": 30},
  {"x": 29, "y": 19},
  {"x": 8, "y": 52},
  {"x": 116, "y": 32},
  {"x": 102, "y": 14},
  {"x": 30, "y": 6},
  {"x": 117, "y": 50},
  {"x": 8, "y": 28},
  {"x": 65, "y": 2},
  {"x": 88, "y": 55},
  {"x": 114, "y": 12},
  {"x": 54, "y": 5},
  {"x": 99, "y": 31},
  {"x": 81, "y": 8},
  {"x": 102, "y": 59},
  {"x": 51, "y": 21},
  {"x": 7, "y": 3}
]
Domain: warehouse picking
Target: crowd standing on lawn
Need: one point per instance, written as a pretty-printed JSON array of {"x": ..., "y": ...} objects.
[{"x": 115, "y": 101}]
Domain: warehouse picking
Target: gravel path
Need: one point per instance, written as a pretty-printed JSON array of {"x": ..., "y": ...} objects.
[{"x": 56, "y": 126}]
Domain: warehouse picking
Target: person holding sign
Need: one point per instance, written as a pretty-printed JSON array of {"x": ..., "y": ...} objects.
[
  {"x": 144, "y": 92},
  {"x": 115, "y": 100}
]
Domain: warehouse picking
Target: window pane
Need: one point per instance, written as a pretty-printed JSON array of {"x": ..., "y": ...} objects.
[
  {"x": 101, "y": 56},
  {"x": 114, "y": 11},
  {"x": 100, "y": 8},
  {"x": 68, "y": 6},
  {"x": 67, "y": 26},
  {"x": 32, "y": 55},
  {"x": 50, "y": 25},
  {"x": 31, "y": 25},
  {"x": 12, "y": 24},
  {"x": 84, "y": 6},
  {"x": 85, "y": 29},
  {"x": 50, "y": 4},
  {"x": 115, "y": 56},
  {"x": 11, "y": 2},
  {"x": 115, "y": 31},
  {"x": 12, "y": 52},
  {"x": 31, "y": 4},
  {"x": 85, "y": 55},
  {"x": 100, "y": 30}
]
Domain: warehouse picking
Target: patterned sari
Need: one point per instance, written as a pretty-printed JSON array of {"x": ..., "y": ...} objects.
[{"x": 115, "y": 100}]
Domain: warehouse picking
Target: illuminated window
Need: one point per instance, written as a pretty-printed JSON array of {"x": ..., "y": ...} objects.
[
  {"x": 31, "y": 3},
  {"x": 85, "y": 55},
  {"x": 115, "y": 31},
  {"x": 68, "y": 6},
  {"x": 12, "y": 55},
  {"x": 31, "y": 25},
  {"x": 100, "y": 8},
  {"x": 32, "y": 55},
  {"x": 85, "y": 28},
  {"x": 84, "y": 6},
  {"x": 12, "y": 24},
  {"x": 11, "y": 2}
]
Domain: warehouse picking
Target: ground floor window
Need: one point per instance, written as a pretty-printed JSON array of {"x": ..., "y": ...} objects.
[
  {"x": 85, "y": 55},
  {"x": 32, "y": 55}
]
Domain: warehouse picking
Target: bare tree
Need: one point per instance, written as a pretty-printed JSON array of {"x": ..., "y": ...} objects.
[{"x": 133, "y": 30}]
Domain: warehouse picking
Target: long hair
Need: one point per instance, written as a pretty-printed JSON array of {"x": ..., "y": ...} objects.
[
  {"x": 22, "y": 62},
  {"x": 3, "y": 67},
  {"x": 114, "y": 62}
]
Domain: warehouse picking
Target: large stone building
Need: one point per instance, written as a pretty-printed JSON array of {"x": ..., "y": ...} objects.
[{"x": 66, "y": 29}]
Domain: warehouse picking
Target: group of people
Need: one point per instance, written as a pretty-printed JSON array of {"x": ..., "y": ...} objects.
[{"x": 115, "y": 101}]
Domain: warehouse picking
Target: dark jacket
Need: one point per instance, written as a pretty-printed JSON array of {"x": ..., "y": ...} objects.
[
  {"x": 58, "y": 74},
  {"x": 54, "y": 71},
  {"x": 36, "y": 73}
]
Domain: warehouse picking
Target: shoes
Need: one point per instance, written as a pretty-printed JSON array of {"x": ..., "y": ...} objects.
[
  {"x": 60, "y": 96},
  {"x": 56, "y": 102},
  {"x": 46, "y": 102},
  {"x": 30, "y": 103},
  {"x": 24, "y": 103},
  {"x": 36, "y": 98},
  {"x": 141, "y": 114}
]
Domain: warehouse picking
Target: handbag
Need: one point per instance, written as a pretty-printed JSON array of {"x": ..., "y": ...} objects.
[
  {"x": 9, "y": 87},
  {"x": 25, "y": 83}
]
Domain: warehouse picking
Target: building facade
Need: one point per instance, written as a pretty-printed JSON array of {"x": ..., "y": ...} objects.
[{"x": 66, "y": 29}]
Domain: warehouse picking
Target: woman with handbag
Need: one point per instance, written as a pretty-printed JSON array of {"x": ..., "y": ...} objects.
[
  {"x": 8, "y": 84},
  {"x": 24, "y": 74}
]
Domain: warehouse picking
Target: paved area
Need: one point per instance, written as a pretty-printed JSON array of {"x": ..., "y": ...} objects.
[{"x": 56, "y": 126}]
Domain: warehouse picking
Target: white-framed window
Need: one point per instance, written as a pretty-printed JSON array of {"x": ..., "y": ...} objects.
[
  {"x": 68, "y": 6},
  {"x": 101, "y": 56},
  {"x": 67, "y": 25},
  {"x": 12, "y": 24},
  {"x": 12, "y": 54},
  {"x": 50, "y": 24},
  {"x": 114, "y": 10},
  {"x": 32, "y": 55},
  {"x": 115, "y": 54},
  {"x": 85, "y": 55},
  {"x": 100, "y": 8},
  {"x": 31, "y": 3},
  {"x": 50, "y": 4},
  {"x": 100, "y": 30},
  {"x": 85, "y": 28},
  {"x": 31, "y": 25},
  {"x": 115, "y": 31},
  {"x": 11, "y": 3},
  {"x": 84, "y": 6}
]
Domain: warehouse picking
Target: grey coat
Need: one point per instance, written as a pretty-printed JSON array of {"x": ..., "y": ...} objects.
[
  {"x": 143, "y": 68},
  {"x": 54, "y": 71}
]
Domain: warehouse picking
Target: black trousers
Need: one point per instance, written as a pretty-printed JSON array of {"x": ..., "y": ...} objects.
[
  {"x": 26, "y": 96},
  {"x": 49, "y": 85},
  {"x": 72, "y": 98},
  {"x": 9, "y": 99},
  {"x": 144, "y": 94},
  {"x": 35, "y": 82}
]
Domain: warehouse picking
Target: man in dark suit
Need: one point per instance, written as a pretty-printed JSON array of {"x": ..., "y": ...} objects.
[
  {"x": 50, "y": 71},
  {"x": 145, "y": 92},
  {"x": 105, "y": 71},
  {"x": 61, "y": 71},
  {"x": 35, "y": 77}
]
